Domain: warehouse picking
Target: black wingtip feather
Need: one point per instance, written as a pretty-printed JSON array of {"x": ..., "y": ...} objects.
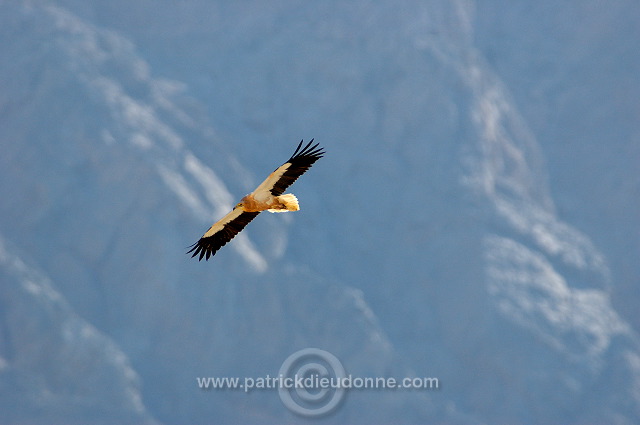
[
  {"x": 206, "y": 247},
  {"x": 309, "y": 151},
  {"x": 301, "y": 160},
  {"x": 298, "y": 148},
  {"x": 197, "y": 248}
]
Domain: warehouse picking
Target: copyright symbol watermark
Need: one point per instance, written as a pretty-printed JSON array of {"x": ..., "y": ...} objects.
[
  {"x": 313, "y": 382},
  {"x": 308, "y": 374}
]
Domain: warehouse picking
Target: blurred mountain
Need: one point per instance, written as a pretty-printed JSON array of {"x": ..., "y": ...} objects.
[
  {"x": 56, "y": 367},
  {"x": 438, "y": 237},
  {"x": 572, "y": 69}
]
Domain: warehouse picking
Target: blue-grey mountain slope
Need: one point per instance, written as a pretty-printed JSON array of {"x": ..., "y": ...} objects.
[{"x": 429, "y": 242}]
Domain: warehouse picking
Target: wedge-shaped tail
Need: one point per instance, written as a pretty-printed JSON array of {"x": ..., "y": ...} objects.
[{"x": 289, "y": 201}]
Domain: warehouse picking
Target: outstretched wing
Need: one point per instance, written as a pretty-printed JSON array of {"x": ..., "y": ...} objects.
[
  {"x": 221, "y": 232},
  {"x": 287, "y": 173}
]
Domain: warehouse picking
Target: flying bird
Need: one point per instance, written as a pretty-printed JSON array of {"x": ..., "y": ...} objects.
[{"x": 267, "y": 196}]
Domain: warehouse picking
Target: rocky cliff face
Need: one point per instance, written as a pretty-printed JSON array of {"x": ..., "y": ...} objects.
[{"x": 433, "y": 240}]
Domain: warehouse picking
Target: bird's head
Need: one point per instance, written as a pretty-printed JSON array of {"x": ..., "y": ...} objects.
[{"x": 243, "y": 203}]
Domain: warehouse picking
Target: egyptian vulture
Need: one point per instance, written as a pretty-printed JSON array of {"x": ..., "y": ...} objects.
[{"x": 268, "y": 196}]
